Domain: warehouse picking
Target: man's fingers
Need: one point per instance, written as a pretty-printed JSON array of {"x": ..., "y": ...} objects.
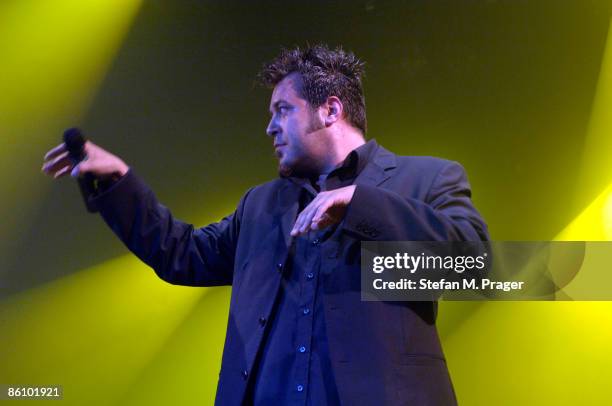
[
  {"x": 321, "y": 217},
  {"x": 79, "y": 169},
  {"x": 325, "y": 220},
  {"x": 304, "y": 222},
  {"x": 305, "y": 227},
  {"x": 96, "y": 161},
  {"x": 62, "y": 172},
  {"x": 57, "y": 150},
  {"x": 298, "y": 222},
  {"x": 56, "y": 163},
  {"x": 316, "y": 218},
  {"x": 301, "y": 220},
  {"x": 308, "y": 215},
  {"x": 297, "y": 225},
  {"x": 82, "y": 168},
  {"x": 326, "y": 209},
  {"x": 317, "y": 215}
]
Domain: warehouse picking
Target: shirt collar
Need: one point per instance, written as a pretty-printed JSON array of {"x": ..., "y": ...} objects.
[{"x": 358, "y": 158}]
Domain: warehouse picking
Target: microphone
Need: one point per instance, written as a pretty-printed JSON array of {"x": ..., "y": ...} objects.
[{"x": 75, "y": 144}]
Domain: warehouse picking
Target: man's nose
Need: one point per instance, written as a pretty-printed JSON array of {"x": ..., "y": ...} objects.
[{"x": 273, "y": 129}]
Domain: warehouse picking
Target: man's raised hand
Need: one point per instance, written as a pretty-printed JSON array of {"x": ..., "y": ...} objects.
[
  {"x": 327, "y": 208},
  {"x": 98, "y": 162}
]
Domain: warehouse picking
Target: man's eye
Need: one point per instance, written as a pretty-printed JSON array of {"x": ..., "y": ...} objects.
[{"x": 283, "y": 109}]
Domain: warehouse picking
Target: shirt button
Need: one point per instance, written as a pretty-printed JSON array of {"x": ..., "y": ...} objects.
[
  {"x": 245, "y": 373},
  {"x": 306, "y": 310},
  {"x": 262, "y": 321},
  {"x": 309, "y": 275},
  {"x": 302, "y": 349},
  {"x": 279, "y": 266},
  {"x": 315, "y": 241},
  {"x": 299, "y": 388}
]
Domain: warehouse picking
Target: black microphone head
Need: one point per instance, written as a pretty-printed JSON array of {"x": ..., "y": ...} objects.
[{"x": 75, "y": 141}]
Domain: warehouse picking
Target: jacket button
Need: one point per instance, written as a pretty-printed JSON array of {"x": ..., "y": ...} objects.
[
  {"x": 279, "y": 266},
  {"x": 315, "y": 242},
  {"x": 309, "y": 275},
  {"x": 262, "y": 321},
  {"x": 245, "y": 373}
]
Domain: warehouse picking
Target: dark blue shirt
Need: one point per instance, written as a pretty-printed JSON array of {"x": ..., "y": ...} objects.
[{"x": 293, "y": 366}]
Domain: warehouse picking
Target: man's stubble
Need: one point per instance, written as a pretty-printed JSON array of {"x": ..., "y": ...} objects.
[{"x": 304, "y": 169}]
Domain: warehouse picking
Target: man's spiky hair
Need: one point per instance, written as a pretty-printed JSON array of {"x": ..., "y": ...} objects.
[{"x": 324, "y": 72}]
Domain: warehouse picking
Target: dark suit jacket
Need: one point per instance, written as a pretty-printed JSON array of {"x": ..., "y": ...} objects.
[{"x": 381, "y": 352}]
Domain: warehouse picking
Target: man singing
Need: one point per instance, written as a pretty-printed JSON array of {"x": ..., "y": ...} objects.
[{"x": 298, "y": 332}]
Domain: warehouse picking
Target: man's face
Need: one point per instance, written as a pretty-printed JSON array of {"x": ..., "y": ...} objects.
[{"x": 295, "y": 129}]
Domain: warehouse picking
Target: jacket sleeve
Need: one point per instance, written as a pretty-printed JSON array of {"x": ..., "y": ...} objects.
[
  {"x": 179, "y": 253},
  {"x": 447, "y": 214}
]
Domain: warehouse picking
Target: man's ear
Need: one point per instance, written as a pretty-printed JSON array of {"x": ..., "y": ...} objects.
[{"x": 334, "y": 110}]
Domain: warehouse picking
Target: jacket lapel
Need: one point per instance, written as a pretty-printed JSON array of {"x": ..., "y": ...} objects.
[{"x": 379, "y": 168}]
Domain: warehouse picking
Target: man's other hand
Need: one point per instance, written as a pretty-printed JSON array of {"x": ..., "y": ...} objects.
[
  {"x": 98, "y": 161},
  {"x": 327, "y": 208}
]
